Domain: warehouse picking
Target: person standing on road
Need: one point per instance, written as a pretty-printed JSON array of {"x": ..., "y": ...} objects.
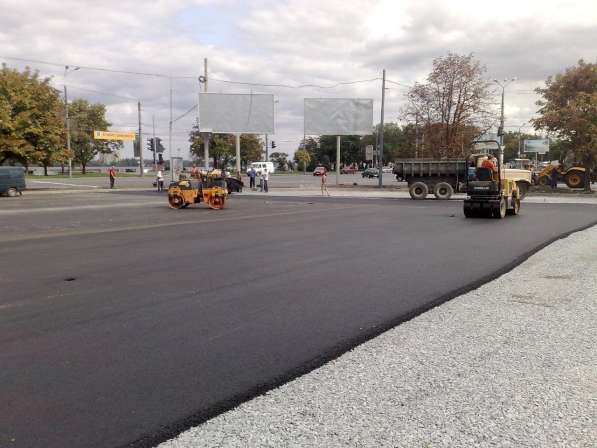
[
  {"x": 265, "y": 178},
  {"x": 112, "y": 174},
  {"x": 554, "y": 178},
  {"x": 324, "y": 183},
  {"x": 252, "y": 175},
  {"x": 160, "y": 180}
]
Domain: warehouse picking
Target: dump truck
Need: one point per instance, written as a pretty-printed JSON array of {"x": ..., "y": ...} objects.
[
  {"x": 444, "y": 177},
  {"x": 438, "y": 177}
]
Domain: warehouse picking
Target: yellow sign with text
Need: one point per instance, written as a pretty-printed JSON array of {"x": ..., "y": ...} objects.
[{"x": 106, "y": 135}]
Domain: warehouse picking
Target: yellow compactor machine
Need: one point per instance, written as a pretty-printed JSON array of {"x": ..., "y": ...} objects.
[{"x": 209, "y": 189}]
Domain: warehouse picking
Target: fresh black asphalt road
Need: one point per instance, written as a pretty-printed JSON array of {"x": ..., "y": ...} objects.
[{"x": 123, "y": 322}]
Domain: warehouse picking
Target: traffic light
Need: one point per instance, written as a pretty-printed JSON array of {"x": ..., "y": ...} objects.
[
  {"x": 160, "y": 159},
  {"x": 150, "y": 144},
  {"x": 273, "y": 144}
]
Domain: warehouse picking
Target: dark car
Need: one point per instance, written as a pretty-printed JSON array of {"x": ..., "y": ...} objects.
[
  {"x": 319, "y": 171},
  {"x": 370, "y": 173},
  {"x": 12, "y": 180},
  {"x": 234, "y": 185}
]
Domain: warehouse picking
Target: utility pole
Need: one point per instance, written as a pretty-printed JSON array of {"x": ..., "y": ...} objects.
[
  {"x": 170, "y": 134},
  {"x": 383, "y": 100},
  {"x": 70, "y": 160},
  {"x": 140, "y": 141},
  {"x": 153, "y": 143},
  {"x": 416, "y": 135},
  {"x": 266, "y": 148},
  {"x": 205, "y": 134}
]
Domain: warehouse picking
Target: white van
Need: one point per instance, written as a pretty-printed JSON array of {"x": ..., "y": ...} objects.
[{"x": 259, "y": 166}]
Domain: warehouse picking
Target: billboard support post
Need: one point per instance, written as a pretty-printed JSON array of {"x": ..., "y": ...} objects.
[
  {"x": 380, "y": 158},
  {"x": 238, "y": 155},
  {"x": 337, "y": 160}
]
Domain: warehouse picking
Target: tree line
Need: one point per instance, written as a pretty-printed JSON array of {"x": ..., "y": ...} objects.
[{"x": 33, "y": 126}]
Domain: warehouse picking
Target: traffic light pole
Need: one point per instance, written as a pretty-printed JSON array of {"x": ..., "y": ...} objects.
[{"x": 153, "y": 145}]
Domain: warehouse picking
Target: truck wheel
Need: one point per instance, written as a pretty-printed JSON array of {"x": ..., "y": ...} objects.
[
  {"x": 468, "y": 210},
  {"x": 443, "y": 190},
  {"x": 499, "y": 212},
  {"x": 11, "y": 192},
  {"x": 523, "y": 188},
  {"x": 575, "y": 179},
  {"x": 418, "y": 190},
  {"x": 543, "y": 181},
  {"x": 515, "y": 204}
]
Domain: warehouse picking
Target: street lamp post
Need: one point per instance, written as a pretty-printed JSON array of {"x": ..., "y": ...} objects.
[
  {"x": 503, "y": 84},
  {"x": 519, "y": 139}
]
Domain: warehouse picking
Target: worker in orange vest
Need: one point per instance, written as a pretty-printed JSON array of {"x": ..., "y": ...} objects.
[{"x": 112, "y": 174}]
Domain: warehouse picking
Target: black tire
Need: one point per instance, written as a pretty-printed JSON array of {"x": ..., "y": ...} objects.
[
  {"x": 418, "y": 190},
  {"x": 543, "y": 181},
  {"x": 575, "y": 179},
  {"x": 523, "y": 188},
  {"x": 515, "y": 206},
  {"x": 443, "y": 191},
  {"x": 175, "y": 201},
  {"x": 469, "y": 212},
  {"x": 500, "y": 211},
  {"x": 11, "y": 192}
]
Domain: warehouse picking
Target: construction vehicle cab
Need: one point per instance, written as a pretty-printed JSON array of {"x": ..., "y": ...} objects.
[
  {"x": 211, "y": 190},
  {"x": 489, "y": 192}
]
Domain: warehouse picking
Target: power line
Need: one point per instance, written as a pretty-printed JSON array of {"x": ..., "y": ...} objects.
[
  {"x": 101, "y": 69},
  {"x": 185, "y": 114},
  {"x": 399, "y": 83},
  {"x": 296, "y": 86}
]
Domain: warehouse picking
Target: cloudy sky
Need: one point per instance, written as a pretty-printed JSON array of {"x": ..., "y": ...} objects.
[{"x": 290, "y": 43}]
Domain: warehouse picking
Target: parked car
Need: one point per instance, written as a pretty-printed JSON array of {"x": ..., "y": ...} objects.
[
  {"x": 387, "y": 169},
  {"x": 234, "y": 185},
  {"x": 259, "y": 166},
  {"x": 12, "y": 180},
  {"x": 370, "y": 173},
  {"x": 319, "y": 171},
  {"x": 348, "y": 170}
]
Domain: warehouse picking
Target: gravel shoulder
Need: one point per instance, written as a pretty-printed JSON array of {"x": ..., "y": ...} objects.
[{"x": 510, "y": 364}]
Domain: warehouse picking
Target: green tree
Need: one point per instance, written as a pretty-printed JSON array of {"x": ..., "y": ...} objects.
[
  {"x": 280, "y": 160},
  {"x": 251, "y": 148},
  {"x": 31, "y": 124},
  {"x": 86, "y": 118},
  {"x": 568, "y": 109},
  {"x": 302, "y": 157}
]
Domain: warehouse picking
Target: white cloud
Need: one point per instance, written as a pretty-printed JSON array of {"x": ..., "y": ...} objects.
[{"x": 293, "y": 42}]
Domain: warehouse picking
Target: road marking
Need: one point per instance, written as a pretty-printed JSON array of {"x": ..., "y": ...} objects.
[
  {"x": 79, "y": 207},
  {"x": 61, "y": 183},
  {"x": 236, "y": 217}
]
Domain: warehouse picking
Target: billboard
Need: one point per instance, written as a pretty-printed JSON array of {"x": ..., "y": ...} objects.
[
  {"x": 338, "y": 116},
  {"x": 540, "y": 146},
  {"x": 247, "y": 113}
]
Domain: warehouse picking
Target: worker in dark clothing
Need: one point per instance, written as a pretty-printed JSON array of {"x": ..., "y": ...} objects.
[{"x": 553, "y": 177}]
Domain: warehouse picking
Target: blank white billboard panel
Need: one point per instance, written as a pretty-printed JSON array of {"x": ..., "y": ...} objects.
[
  {"x": 338, "y": 116},
  {"x": 231, "y": 112}
]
